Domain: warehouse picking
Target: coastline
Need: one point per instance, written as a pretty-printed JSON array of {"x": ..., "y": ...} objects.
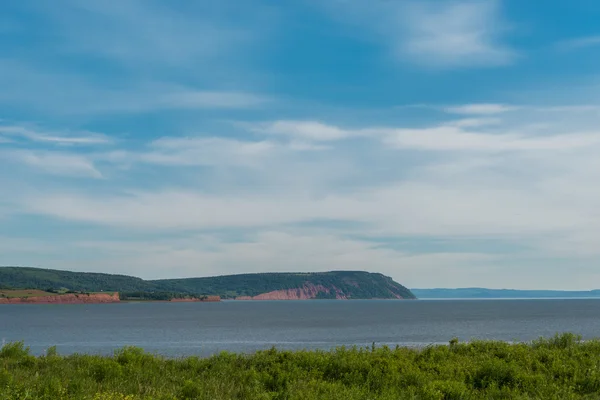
[
  {"x": 70, "y": 298},
  {"x": 95, "y": 298}
]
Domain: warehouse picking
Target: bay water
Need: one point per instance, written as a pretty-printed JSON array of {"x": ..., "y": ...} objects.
[{"x": 180, "y": 329}]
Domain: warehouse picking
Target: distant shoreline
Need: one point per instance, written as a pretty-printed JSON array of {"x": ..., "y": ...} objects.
[
  {"x": 505, "y": 298},
  {"x": 485, "y": 293},
  {"x": 40, "y": 297}
]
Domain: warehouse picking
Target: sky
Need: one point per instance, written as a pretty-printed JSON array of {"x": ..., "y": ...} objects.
[{"x": 443, "y": 143}]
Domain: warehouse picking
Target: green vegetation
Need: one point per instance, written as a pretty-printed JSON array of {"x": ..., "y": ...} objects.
[
  {"x": 37, "y": 278},
  {"x": 561, "y": 368},
  {"x": 27, "y": 293},
  {"x": 353, "y": 284},
  {"x": 157, "y": 296},
  {"x": 8, "y": 293}
]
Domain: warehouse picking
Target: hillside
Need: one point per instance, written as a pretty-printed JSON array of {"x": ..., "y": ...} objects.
[
  {"x": 325, "y": 285},
  {"x": 482, "y": 293},
  {"x": 37, "y": 278},
  {"x": 336, "y": 284}
]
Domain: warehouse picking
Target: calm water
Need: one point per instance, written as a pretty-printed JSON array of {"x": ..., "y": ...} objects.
[{"x": 205, "y": 328}]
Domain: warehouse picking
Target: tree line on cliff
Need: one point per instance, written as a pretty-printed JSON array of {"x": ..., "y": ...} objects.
[{"x": 353, "y": 284}]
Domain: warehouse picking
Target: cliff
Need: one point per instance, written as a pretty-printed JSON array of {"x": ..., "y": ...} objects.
[
  {"x": 306, "y": 292},
  {"x": 91, "y": 298}
]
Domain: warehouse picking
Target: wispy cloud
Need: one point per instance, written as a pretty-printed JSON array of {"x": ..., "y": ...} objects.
[
  {"x": 209, "y": 151},
  {"x": 456, "y": 34},
  {"x": 455, "y": 138},
  {"x": 438, "y": 34},
  {"x": 32, "y": 134},
  {"x": 154, "y": 57},
  {"x": 454, "y": 181},
  {"x": 308, "y": 130},
  {"x": 54, "y": 163},
  {"x": 480, "y": 109},
  {"x": 579, "y": 43},
  {"x": 205, "y": 151},
  {"x": 453, "y": 135},
  {"x": 150, "y": 34},
  {"x": 33, "y": 89}
]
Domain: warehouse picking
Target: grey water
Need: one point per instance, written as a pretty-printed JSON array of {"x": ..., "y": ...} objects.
[{"x": 179, "y": 329}]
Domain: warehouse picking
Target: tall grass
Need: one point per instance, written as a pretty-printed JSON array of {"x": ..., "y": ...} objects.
[{"x": 562, "y": 367}]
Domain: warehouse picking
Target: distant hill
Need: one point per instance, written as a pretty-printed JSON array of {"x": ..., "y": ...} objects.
[
  {"x": 335, "y": 284},
  {"x": 482, "y": 293},
  {"x": 37, "y": 278},
  {"x": 319, "y": 285}
]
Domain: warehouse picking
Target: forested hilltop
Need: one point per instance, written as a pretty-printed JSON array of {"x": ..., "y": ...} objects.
[{"x": 319, "y": 285}]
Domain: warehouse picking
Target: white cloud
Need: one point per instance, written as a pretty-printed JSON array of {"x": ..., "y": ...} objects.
[
  {"x": 511, "y": 178},
  {"x": 474, "y": 122},
  {"x": 454, "y": 135},
  {"x": 456, "y": 33},
  {"x": 194, "y": 151},
  {"x": 308, "y": 130},
  {"x": 63, "y": 164},
  {"x": 205, "y": 151},
  {"x": 426, "y": 208},
  {"x": 481, "y": 108},
  {"x": 446, "y": 137},
  {"x": 439, "y": 34},
  {"x": 578, "y": 108},
  {"x": 531, "y": 187},
  {"x": 82, "y": 138}
]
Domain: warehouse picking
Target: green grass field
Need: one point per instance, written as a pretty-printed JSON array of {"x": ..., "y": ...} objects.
[
  {"x": 559, "y": 368},
  {"x": 24, "y": 293}
]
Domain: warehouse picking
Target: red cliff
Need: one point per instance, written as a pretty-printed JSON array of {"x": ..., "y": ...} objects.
[
  {"x": 308, "y": 291},
  {"x": 82, "y": 298}
]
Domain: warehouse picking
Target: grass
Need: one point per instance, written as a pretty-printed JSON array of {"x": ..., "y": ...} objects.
[
  {"x": 24, "y": 293},
  {"x": 562, "y": 367}
]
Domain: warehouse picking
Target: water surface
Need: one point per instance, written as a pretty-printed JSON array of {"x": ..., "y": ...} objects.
[{"x": 175, "y": 329}]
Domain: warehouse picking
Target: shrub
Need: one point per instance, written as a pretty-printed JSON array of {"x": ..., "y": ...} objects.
[{"x": 561, "y": 367}]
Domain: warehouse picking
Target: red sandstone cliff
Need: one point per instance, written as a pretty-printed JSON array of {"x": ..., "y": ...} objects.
[
  {"x": 308, "y": 291},
  {"x": 91, "y": 298}
]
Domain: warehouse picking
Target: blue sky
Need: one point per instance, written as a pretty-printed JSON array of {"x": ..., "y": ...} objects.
[{"x": 443, "y": 143}]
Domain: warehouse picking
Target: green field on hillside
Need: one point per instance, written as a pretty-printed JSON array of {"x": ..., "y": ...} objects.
[
  {"x": 560, "y": 368},
  {"x": 21, "y": 293}
]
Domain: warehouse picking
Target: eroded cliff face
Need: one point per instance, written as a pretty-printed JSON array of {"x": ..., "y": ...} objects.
[
  {"x": 308, "y": 291},
  {"x": 92, "y": 298}
]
